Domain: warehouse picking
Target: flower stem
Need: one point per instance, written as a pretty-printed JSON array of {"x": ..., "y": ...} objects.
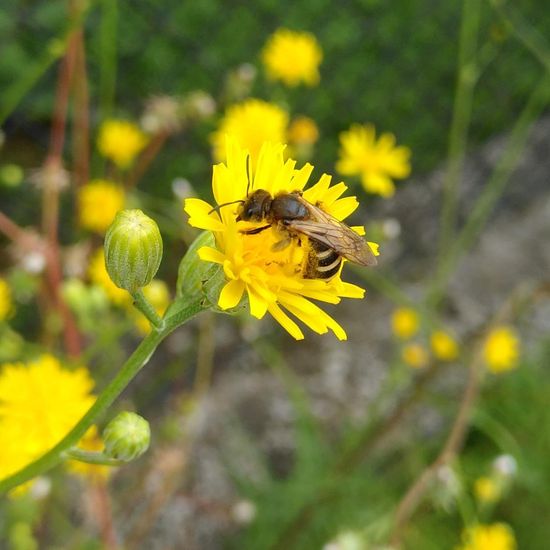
[
  {"x": 91, "y": 457},
  {"x": 141, "y": 303},
  {"x": 129, "y": 370}
]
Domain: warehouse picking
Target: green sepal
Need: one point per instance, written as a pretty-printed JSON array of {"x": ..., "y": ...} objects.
[{"x": 198, "y": 277}]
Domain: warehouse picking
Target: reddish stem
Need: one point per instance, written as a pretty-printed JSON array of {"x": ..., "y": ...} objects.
[{"x": 146, "y": 158}]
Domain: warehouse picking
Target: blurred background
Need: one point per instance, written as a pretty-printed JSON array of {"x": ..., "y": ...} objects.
[{"x": 259, "y": 441}]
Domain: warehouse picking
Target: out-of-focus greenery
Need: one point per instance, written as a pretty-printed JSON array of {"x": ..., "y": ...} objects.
[{"x": 383, "y": 62}]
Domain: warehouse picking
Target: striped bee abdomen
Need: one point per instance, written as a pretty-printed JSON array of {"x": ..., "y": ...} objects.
[{"x": 323, "y": 262}]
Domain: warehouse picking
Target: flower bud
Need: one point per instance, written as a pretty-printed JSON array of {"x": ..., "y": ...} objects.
[
  {"x": 133, "y": 250},
  {"x": 126, "y": 437}
]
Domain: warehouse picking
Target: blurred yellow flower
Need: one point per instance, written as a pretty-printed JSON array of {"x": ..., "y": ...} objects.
[
  {"x": 251, "y": 123},
  {"x": 501, "y": 349},
  {"x": 39, "y": 403},
  {"x": 444, "y": 346},
  {"x": 159, "y": 297},
  {"x": 98, "y": 276},
  {"x": 376, "y": 162},
  {"x": 98, "y": 203},
  {"x": 271, "y": 277},
  {"x": 303, "y": 131},
  {"x": 415, "y": 355},
  {"x": 405, "y": 322},
  {"x": 120, "y": 141},
  {"x": 486, "y": 489},
  {"x": 6, "y": 304},
  {"x": 497, "y": 536},
  {"x": 292, "y": 57}
]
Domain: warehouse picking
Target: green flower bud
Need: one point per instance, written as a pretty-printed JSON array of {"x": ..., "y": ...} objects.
[
  {"x": 133, "y": 250},
  {"x": 126, "y": 437}
]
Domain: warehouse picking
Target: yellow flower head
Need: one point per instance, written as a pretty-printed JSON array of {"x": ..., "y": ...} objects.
[
  {"x": 120, "y": 141},
  {"x": 444, "y": 346},
  {"x": 98, "y": 203},
  {"x": 486, "y": 489},
  {"x": 250, "y": 123},
  {"x": 303, "y": 131},
  {"x": 6, "y": 304},
  {"x": 39, "y": 403},
  {"x": 405, "y": 322},
  {"x": 158, "y": 295},
  {"x": 501, "y": 349},
  {"x": 377, "y": 162},
  {"x": 497, "y": 536},
  {"x": 272, "y": 277},
  {"x": 415, "y": 355},
  {"x": 98, "y": 276},
  {"x": 292, "y": 57}
]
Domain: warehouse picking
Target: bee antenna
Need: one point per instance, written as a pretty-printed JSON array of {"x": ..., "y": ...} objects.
[{"x": 217, "y": 208}]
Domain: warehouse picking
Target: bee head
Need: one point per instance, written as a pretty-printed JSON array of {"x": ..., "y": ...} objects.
[{"x": 256, "y": 207}]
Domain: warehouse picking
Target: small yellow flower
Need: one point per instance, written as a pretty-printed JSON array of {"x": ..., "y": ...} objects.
[
  {"x": 497, "y": 536},
  {"x": 486, "y": 489},
  {"x": 292, "y": 57},
  {"x": 270, "y": 277},
  {"x": 39, "y": 403},
  {"x": 415, "y": 355},
  {"x": 159, "y": 297},
  {"x": 120, "y": 141},
  {"x": 6, "y": 303},
  {"x": 303, "y": 131},
  {"x": 405, "y": 322},
  {"x": 250, "y": 123},
  {"x": 98, "y": 203},
  {"x": 98, "y": 276},
  {"x": 444, "y": 346},
  {"x": 501, "y": 349},
  {"x": 376, "y": 162}
]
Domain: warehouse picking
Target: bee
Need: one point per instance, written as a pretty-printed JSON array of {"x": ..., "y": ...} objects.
[{"x": 330, "y": 239}]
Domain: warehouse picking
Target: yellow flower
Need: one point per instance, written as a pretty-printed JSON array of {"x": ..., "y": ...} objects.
[
  {"x": 497, "y": 536},
  {"x": 486, "y": 489},
  {"x": 303, "y": 131},
  {"x": 444, "y": 346},
  {"x": 292, "y": 57},
  {"x": 271, "y": 277},
  {"x": 98, "y": 275},
  {"x": 251, "y": 123},
  {"x": 98, "y": 203},
  {"x": 159, "y": 297},
  {"x": 120, "y": 141},
  {"x": 39, "y": 403},
  {"x": 405, "y": 322},
  {"x": 501, "y": 349},
  {"x": 5, "y": 300},
  {"x": 415, "y": 355},
  {"x": 377, "y": 162}
]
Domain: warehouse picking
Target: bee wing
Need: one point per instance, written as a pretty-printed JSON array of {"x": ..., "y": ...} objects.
[{"x": 328, "y": 230}]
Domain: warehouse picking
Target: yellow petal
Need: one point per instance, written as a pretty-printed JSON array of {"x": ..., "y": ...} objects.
[
  {"x": 286, "y": 322},
  {"x": 201, "y": 215},
  {"x": 231, "y": 294},
  {"x": 209, "y": 254}
]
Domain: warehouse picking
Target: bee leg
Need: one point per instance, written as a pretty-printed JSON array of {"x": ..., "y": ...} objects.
[
  {"x": 281, "y": 245},
  {"x": 256, "y": 230}
]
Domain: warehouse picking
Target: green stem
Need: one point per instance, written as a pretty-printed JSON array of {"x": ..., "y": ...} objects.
[
  {"x": 141, "y": 303},
  {"x": 493, "y": 189},
  {"x": 127, "y": 373},
  {"x": 107, "y": 57},
  {"x": 91, "y": 457},
  {"x": 462, "y": 110}
]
